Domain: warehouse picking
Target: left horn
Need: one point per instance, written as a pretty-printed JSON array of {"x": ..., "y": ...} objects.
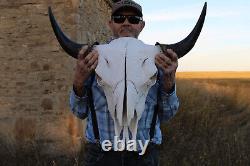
[
  {"x": 69, "y": 46},
  {"x": 183, "y": 47}
]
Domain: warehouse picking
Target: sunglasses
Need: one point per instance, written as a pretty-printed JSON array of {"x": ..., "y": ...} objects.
[{"x": 119, "y": 19}]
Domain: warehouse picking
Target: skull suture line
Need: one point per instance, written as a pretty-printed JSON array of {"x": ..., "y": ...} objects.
[{"x": 126, "y": 70}]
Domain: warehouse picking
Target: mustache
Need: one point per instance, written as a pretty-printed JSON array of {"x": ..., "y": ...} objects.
[{"x": 127, "y": 28}]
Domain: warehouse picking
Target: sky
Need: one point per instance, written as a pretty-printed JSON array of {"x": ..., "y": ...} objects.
[{"x": 224, "y": 42}]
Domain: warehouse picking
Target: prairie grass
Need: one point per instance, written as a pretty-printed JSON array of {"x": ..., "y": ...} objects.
[
  {"x": 211, "y": 128},
  {"x": 214, "y": 75}
]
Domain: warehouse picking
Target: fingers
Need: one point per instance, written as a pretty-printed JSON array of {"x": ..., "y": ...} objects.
[
  {"x": 92, "y": 67},
  {"x": 163, "y": 59},
  {"x": 160, "y": 63},
  {"x": 168, "y": 57},
  {"x": 91, "y": 58},
  {"x": 168, "y": 61},
  {"x": 87, "y": 59},
  {"x": 82, "y": 51},
  {"x": 171, "y": 54}
]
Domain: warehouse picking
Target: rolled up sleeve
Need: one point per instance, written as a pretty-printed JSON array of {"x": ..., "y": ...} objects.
[
  {"x": 79, "y": 105},
  {"x": 169, "y": 105}
]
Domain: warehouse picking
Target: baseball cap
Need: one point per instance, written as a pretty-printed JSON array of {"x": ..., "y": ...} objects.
[{"x": 127, "y": 4}]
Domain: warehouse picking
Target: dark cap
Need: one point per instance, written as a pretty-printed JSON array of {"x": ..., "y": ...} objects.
[{"x": 127, "y": 4}]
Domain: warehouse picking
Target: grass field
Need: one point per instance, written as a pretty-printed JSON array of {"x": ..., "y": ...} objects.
[
  {"x": 214, "y": 75},
  {"x": 211, "y": 128}
]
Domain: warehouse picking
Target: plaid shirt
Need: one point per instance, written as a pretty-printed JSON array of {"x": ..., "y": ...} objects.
[{"x": 168, "y": 103}]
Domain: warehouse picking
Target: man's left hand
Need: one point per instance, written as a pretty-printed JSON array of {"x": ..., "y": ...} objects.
[{"x": 168, "y": 62}]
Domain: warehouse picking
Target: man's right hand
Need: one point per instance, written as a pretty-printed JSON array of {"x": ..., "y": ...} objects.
[{"x": 84, "y": 67}]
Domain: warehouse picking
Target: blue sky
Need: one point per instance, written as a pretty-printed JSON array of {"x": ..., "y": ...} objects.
[{"x": 224, "y": 43}]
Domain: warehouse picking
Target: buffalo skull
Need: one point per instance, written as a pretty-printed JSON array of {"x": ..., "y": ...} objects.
[{"x": 126, "y": 71}]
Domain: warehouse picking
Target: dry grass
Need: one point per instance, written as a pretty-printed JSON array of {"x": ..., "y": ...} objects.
[
  {"x": 212, "y": 126},
  {"x": 214, "y": 75}
]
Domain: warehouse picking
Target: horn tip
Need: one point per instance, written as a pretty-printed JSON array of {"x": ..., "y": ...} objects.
[
  {"x": 49, "y": 10},
  {"x": 205, "y": 5},
  {"x": 157, "y": 43}
]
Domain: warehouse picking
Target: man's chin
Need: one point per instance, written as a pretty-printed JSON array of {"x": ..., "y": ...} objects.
[{"x": 126, "y": 35}]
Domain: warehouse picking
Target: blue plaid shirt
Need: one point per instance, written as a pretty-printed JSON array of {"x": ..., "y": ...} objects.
[{"x": 168, "y": 103}]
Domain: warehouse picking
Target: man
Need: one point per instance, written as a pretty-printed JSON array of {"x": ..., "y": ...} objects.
[{"x": 126, "y": 21}]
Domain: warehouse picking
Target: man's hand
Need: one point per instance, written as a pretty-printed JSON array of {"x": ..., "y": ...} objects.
[
  {"x": 84, "y": 67},
  {"x": 168, "y": 62}
]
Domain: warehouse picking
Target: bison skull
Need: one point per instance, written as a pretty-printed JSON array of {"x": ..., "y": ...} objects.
[{"x": 126, "y": 70}]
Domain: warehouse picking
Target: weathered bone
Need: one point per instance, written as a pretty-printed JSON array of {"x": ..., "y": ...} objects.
[{"x": 126, "y": 71}]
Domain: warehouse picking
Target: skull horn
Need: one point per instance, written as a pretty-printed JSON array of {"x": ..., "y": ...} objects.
[
  {"x": 183, "y": 47},
  {"x": 69, "y": 46}
]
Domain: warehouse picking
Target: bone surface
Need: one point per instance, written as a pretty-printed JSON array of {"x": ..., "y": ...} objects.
[{"x": 126, "y": 71}]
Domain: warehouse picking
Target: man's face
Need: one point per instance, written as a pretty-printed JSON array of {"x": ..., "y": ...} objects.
[{"x": 126, "y": 29}]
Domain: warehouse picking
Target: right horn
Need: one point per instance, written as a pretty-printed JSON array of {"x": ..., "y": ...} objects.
[{"x": 183, "y": 47}]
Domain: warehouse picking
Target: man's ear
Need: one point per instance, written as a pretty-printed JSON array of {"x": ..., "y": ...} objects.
[
  {"x": 142, "y": 25},
  {"x": 110, "y": 24}
]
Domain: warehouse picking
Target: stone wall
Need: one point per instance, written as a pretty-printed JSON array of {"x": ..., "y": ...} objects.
[{"x": 36, "y": 74}]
